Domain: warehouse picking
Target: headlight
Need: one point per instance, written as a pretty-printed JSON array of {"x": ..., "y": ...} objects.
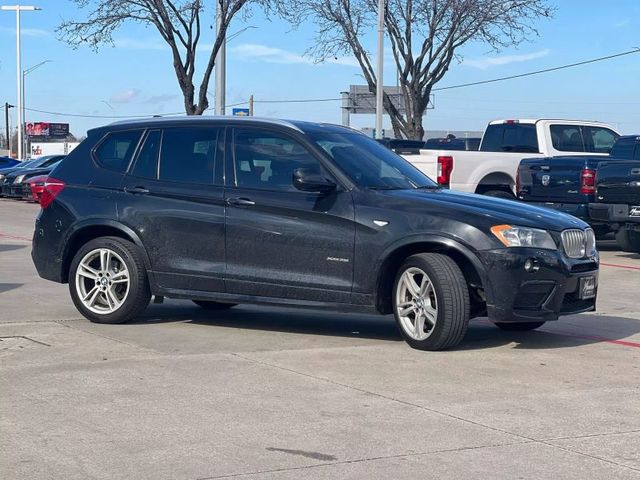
[
  {"x": 19, "y": 179},
  {"x": 514, "y": 236}
]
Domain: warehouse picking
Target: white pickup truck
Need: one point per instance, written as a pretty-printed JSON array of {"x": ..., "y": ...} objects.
[{"x": 492, "y": 170}]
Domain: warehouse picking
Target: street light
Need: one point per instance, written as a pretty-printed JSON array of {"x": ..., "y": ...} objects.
[
  {"x": 18, "y": 9},
  {"x": 24, "y": 103}
]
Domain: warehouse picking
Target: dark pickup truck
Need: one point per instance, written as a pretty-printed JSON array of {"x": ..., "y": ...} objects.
[
  {"x": 568, "y": 183},
  {"x": 618, "y": 200}
]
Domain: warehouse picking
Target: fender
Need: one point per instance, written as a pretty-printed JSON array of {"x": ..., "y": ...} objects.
[
  {"x": 104, "y": 222},
  {"x": 447, "y": 241}
]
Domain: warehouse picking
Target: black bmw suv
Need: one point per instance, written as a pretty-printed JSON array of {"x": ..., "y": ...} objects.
[{"x": 225, "y": 211}]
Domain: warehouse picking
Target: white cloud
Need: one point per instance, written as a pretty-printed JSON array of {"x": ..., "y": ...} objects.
[
  {"x": 268, "y": 54},
  {"x": 488, "y": 62},
  {"x": 126, "y": 96},
  {"x": 160, "y": 99},
  {"x": 27, "y": 32},
  {"x": 621, "y": 23}
]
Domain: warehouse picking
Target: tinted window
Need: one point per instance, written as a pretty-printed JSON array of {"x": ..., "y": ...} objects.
[
  {"x": 147, "y": 162},
  {"x": 510, "y": 137},
  {"x": 368, "y": 163},
  {"x": 637, "y": 154},
  {"x": 116, "y": 151},
  {"x": 188, "y": 155},
  {"x": 623, "y": 148},
  {"x": 266, "y": 160},
  {"x": 600, "y": 139},
  {"x": 52, "y": 161}
]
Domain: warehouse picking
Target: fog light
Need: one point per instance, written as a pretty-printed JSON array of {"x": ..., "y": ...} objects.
[{"x": 531, "y": 265}]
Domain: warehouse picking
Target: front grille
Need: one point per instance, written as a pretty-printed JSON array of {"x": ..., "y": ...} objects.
[{"x": 579, "y": 243}]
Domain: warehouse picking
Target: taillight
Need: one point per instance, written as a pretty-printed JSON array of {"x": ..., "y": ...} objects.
[
  {"x": 445, "y": 167},
  {"x": 518, "y": 182},
  {"x": 52, "y": 187},
  {"x": 587, "y": 181}
]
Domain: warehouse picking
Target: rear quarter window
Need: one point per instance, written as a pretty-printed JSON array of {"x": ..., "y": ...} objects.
[{"x": 116, "y": 150}]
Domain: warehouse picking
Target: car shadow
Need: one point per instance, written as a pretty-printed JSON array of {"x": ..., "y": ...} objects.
[
  {"x": 6, "y": 287},
  {"x": 482, "y": 334}
]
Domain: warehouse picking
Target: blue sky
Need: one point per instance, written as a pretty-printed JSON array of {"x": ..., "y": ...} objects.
[{"x": 136, "y": 76}]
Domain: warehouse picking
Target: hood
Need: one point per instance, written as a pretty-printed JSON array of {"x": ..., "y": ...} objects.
[
  {"x": 30, "y": 172},
  {"x": 483, "y": 211}
]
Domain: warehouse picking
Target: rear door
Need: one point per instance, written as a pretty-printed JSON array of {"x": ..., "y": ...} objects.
[
  {"x": 280, "y": 241},
  {"x": 173, "y": 198}
]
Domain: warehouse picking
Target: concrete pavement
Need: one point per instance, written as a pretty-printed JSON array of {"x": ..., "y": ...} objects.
[{"x": 263, "y": 393}]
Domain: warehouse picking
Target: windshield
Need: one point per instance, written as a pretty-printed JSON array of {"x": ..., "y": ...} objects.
[{"x": 370, "y": 164}]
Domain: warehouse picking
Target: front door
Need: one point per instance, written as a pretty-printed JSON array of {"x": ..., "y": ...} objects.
[
  {"x": 282, "y": 242},
  {"x": 174, "y": 199}
]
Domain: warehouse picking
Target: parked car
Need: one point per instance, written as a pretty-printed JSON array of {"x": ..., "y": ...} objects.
[
  {"x": 568, "y": 183},
  {"x": 230, "y": 210},
  {"x": 13, "y": 183},
  {"x": 7, "y": 162},
  {"x": 618, "y": 199},
  {"x": 453, "y": 143},
  {"x": 33, "y": 187},
  {"x": 402, "y": 146},
  {"x": 492, "y": 170}
]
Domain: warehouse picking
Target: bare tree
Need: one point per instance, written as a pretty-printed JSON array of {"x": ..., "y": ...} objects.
[
  {"x": 425, "y": 37},
  {"x": 177, "y": 21}
]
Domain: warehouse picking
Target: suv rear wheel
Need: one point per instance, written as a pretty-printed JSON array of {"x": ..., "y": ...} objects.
[
  {"x": 431, "y": 302},
  {"x": 108, "y": 281}
]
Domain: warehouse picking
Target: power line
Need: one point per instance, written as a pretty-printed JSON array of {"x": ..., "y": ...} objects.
[{"x": 537, "y": 72}]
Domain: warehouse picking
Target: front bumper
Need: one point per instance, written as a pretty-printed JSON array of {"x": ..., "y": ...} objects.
[{"x": 515, "y": 295}]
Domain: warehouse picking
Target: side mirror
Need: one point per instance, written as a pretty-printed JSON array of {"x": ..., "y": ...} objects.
[{"x": 308, "y": 180}]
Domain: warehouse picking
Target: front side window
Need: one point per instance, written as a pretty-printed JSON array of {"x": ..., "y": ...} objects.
[
  {"x": 602, "y": 139},
  {"x": 117, "y": 149},
  {"x": 188, "y": 155},
  {"x": 267, "y": 160},
  {"x": 369, "y": 164}
]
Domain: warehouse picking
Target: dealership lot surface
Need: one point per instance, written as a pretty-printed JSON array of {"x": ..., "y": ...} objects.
[{"x": 271, "y": 393}]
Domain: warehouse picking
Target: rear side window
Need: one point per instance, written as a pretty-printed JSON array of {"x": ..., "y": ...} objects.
[
  {"x": 188, "y": 155},
  {"x": 575, "y": 138},
  {"x": 510, "y": 137},
  {"x": 117, "y": 149}
]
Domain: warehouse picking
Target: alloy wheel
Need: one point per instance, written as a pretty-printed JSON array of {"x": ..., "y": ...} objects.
[
  {"x": 416, "y": 304},
  {"x": 102, "y": 281}
]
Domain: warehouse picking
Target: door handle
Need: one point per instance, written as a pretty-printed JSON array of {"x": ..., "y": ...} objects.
[
  {"x": 136, "y": 190},
  {"x": 240, "y": 202}
]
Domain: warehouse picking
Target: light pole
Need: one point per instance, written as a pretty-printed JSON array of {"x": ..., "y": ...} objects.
[
  {"x": 18, "y": 9},
  {"x": 379, "y": 73},
  {"x": 24, "y": 103},
  {"x": 221, "y": 68}
]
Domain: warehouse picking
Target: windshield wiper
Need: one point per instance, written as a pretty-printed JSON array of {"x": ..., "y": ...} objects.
[
  {"x": 428, "y": 187},
  {"x": 385, "y": 187}
]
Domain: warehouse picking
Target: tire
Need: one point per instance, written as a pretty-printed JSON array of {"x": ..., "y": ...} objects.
[
  {"x": 208, "y": 305},
  {"x": 499, "y": 194},
  {"x": 448, "y": 294},
  {"x": 628, "y": 240},
  {"x": 519, "y": 326},
  {"x": 123, "y": 288}
]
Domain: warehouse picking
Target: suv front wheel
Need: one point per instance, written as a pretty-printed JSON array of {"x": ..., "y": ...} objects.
[
  {"x": 108, "y": 281},
  {"x": 431, "y": 302}
]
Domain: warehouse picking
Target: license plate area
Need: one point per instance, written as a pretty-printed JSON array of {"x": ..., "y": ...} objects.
[{"x": 587, "y": 287}]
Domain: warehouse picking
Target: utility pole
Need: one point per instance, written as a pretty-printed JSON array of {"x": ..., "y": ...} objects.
[
  {"x": 221, "y": 68},
  {"x": 379, "y": 73},
  {"x": 251, "y": 105},
  {"x": 18, "y": 9},
  {"x": 6, "y": 125}
]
